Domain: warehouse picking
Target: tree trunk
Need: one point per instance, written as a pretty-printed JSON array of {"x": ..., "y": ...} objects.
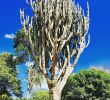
[
  {"x": 55, "y": 94},
  {"x": 55, "y": 88}
]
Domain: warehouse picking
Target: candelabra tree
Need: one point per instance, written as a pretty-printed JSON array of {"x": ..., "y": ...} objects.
[{"x": 55, "y": 37}]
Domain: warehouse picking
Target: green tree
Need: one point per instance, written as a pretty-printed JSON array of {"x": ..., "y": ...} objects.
[
  {"x": 92, "y": 84},
  {"x": 33, "y": 72},
  {"x": 55, "y": 37},
  {"x": 9, "y": 84}
]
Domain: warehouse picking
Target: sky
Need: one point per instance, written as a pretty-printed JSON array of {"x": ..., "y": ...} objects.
[{"x": 98, "y": 52}]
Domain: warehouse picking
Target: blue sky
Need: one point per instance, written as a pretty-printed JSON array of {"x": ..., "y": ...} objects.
[{"x": 98, "y": 52}]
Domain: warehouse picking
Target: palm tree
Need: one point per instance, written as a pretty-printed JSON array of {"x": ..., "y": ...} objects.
[{"x": 34, "y": 77}]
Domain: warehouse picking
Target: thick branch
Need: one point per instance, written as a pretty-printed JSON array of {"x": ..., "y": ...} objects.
[{"x": 63, "y": 41}]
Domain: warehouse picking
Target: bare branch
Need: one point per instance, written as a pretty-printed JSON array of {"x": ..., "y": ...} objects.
[
  {"x": 64, "y": 41},
  {"x": 62, "y": 70},
  {"x": 48, "y": 34},
  {"x": 88, "y": 41},
  {"x": 68, "y": 50},
  {"x": 73, "y": 53},
  {"x": 50, "y": 55}
]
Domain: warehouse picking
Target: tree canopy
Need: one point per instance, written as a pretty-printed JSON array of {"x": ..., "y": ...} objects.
[
  {"x": 9, "y": 83},
  {"x": 92, "y": 84}
]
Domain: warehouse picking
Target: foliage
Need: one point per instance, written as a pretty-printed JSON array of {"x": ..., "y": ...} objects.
[
  {"x": 34, "y": 75},
  {"x": 21, "y": 49},
  {"x": 41, "y": 95},
  {"x": 38, "y": 95},
  {"x": 5, "y": 97},
  {"x": 90, "y": 84},
  {"x": 9, "y": 84}
]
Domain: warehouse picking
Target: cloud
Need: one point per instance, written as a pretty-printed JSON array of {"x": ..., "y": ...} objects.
[
  {"x": 29, "y": 63},
  {"x": 9, "y": 36}
]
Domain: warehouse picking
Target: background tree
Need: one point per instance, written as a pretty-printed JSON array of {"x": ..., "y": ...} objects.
[
  {"x": 55, "y": 37},
  {"x": 34, "y": 78},
  {"x": 93, "y": 84},
  {"x": 9, "y": 84},
  {"x": 34, "y": 75}
]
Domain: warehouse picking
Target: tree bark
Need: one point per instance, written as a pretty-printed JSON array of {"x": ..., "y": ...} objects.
[{"x": 55, "y": 94}]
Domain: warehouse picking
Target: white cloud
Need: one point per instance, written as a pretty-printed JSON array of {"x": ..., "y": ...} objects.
[
  {"x": 29, "y": 64},
  {"x": 103, "y": 68},
  {"x": 9, "y": 36}
]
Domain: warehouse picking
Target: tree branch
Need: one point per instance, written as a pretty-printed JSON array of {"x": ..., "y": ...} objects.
[{"x": 63, "y": 42}]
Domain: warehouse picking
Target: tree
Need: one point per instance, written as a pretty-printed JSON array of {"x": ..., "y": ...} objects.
[
  {"x": 34, "y": 78},
  {"x": 92, "y": 84},
  {"x": 9, "y": 84},
  {"x": 55, "y": 37},
  {"x": 34, "y": 75}
]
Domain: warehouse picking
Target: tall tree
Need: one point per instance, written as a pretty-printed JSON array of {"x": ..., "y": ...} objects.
[
  {"x": 55, "y": 36},
  {"x": 9, "y": 84}
]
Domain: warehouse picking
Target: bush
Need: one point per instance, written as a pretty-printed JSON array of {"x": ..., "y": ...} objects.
[{"x": 92, "y": 84}]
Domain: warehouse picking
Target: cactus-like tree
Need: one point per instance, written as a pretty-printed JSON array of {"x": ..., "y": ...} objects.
[{"x": 55, "y": 36}]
